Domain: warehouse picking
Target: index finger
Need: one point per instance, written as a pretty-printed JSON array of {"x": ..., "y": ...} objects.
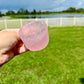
[{"x": 13, "y": 30}]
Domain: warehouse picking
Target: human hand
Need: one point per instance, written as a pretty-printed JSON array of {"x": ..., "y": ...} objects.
[{"x": 10, "y": 45}]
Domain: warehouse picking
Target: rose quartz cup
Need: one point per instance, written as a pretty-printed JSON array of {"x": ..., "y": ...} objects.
[{"x": 34, "y": 35}]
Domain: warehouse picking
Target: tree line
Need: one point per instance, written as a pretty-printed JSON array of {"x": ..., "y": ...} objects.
[
  {"x": 22, "y": 11},
  {"x": 74, "y": 10}
]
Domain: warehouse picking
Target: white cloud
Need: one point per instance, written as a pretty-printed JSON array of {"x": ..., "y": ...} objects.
[
  {"x": 59, "y": 9},
  {"x": 58, "y": 2},
  {"x": 15, "y": 11},
  {"x": 80, "y": 3},
  {"x": 4, "y": 10}
]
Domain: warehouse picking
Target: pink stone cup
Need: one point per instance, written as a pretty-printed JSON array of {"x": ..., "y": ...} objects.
[{"x": 34, "y": 35}]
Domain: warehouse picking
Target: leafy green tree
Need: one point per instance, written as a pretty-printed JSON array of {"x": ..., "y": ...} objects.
[
  {"x": 80, "y": 10},
  {"x": 26, "y": 11},
  {"x": 39, "y": 12},
  {"x": 71, "y": 9},
  {"x": 10, "y": 12},
  {"x": 34, "y": 11},
  {"x": 21, "y": 11},
  {"x": 0, "y": 14}
]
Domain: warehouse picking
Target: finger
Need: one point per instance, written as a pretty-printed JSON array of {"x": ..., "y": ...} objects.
[
  {"x": 19, "y": 48},
  {"x": 23, "y": 49},
  {"x": 16, "y": 30},
  {"x": 13, "y": 30}
]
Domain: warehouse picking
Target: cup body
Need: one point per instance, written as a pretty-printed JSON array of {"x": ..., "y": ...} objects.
[{"x": 34, "y": 35}]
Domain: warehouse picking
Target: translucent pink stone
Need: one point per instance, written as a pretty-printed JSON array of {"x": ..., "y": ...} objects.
[{"x": 34, "y": 35}]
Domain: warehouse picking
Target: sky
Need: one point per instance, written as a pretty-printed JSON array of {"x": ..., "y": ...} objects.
[{"x": 44, "y": 5}]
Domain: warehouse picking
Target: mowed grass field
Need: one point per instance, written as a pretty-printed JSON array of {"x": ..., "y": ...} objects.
[{"x": 61, "y": 62}]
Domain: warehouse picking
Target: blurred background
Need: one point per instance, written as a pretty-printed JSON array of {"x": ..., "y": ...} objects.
[{"x": 53, "y": 12}]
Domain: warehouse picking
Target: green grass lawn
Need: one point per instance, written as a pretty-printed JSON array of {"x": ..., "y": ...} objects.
[{"x": 61, "y": 62}]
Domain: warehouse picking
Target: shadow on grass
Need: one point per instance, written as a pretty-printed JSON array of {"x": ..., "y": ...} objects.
[{"x": 82, "y": 80}]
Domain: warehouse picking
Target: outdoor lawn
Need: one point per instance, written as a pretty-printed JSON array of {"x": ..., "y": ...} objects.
[{"x": 61, "y": 62}]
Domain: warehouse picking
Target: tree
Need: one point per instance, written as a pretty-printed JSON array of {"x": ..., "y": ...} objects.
[
  {"x": 71, "y": 9},
  {"x": 80, "y": 10},
  {"x": 26, "y": 11},
  {"x": 9, "y": 12},
  {"x": 34, "y": 11},
  {"x": 39, "y": 12},
  {"x": 21, "y": 11},
  {"x": 0, "y": 14}
]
